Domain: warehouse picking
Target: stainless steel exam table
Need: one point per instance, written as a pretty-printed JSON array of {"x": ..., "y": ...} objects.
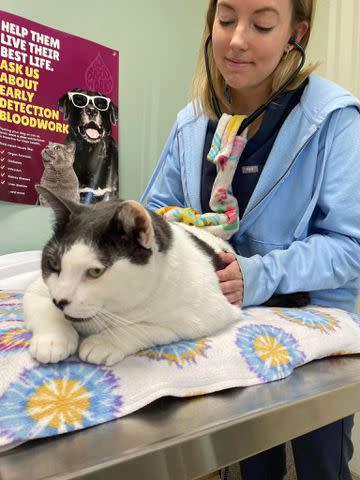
[{"x": 177, "y": 439}]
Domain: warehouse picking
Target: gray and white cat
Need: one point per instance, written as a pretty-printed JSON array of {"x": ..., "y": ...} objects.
[
  {"x": 59, "y": 175},
  {"x": 124, "y": 278}
]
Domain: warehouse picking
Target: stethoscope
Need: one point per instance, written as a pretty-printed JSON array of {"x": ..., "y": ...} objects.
[{"x": 251, "y": 118}]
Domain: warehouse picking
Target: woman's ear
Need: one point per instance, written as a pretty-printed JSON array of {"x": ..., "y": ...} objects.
[{"x": 300, "y": 30}]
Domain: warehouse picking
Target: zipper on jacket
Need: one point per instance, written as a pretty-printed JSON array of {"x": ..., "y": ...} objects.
[{"x": 284, "y": 174}]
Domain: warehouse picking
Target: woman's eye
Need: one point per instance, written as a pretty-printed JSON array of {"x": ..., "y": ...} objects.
[
  {"x": 54, "y": 265},
  {"x": 226, "y": 23},
  {"x": 263, "y": 29},
  {"x": 95, "y": 272}
]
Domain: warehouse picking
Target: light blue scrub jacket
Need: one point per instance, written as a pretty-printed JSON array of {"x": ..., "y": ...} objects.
[{"x": 301, "y": 228}]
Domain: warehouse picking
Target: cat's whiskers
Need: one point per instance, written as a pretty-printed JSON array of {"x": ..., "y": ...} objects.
[
  {"x": 113, "y": 334},
  {"x": 140, "y": 318},
  {"x": 85, "y": 310},
  {"x": 115, "y": 317},
  {"x": 117, "y": 321},
  {"x": 121, "y": 326}
]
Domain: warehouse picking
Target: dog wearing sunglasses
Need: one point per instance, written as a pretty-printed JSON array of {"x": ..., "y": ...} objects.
[{"x": 91, "y": 116}]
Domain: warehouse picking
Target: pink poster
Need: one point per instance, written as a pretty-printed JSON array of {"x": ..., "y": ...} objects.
[{"x": 58, "y": 114}]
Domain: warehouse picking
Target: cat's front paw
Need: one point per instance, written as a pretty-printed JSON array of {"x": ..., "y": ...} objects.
[
  {"x": 52, "y": 347},
  {"x": 99, "y": 350}
]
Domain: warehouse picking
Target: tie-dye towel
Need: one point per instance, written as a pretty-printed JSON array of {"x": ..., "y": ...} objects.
[{"x": 267, "y": 344}]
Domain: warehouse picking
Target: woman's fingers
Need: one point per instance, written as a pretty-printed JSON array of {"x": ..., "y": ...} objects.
[{"x": 231, "y": 279}]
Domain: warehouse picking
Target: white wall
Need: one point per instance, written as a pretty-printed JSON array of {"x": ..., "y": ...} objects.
[{"x": 335, "y": 42}]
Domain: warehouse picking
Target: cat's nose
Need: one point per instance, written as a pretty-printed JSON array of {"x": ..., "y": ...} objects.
[{"x": 61, "y": 304}]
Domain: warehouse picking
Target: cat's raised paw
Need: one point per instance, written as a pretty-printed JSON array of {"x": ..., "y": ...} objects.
[
  {"x": 99, "y": 350},
  {"x": 52, "y": 347}
]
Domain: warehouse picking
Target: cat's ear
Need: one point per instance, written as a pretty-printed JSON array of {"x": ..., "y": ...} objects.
[
  {"x": 70, "y": 147},
  {"x": 135, "y": 220},
  {"x": 62, "y": 207}
]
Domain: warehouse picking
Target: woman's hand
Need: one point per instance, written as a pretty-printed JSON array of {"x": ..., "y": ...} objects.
[{"x": 231, "y": 279}]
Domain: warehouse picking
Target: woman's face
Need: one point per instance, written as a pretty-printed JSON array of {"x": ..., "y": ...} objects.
[{"x": 249, "y": 38}]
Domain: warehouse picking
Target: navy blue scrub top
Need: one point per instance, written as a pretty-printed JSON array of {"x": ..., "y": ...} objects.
[{"x": 255, "y": 153}]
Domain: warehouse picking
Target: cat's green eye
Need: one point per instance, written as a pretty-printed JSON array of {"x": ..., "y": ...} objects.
[
  {"x": 95, "y": 272},
  {"x": 54, "y": 264}
]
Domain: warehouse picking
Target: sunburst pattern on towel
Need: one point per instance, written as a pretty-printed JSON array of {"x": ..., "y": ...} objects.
[
  {"x": 309, "y": 317},
  {"x": 48, "y": 400},
  {"x": 180, "y": 353},
  {"x": 270, "y": 352}
]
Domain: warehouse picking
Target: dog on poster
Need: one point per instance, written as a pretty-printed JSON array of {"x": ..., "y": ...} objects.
[{"x": 91, "y": 116}]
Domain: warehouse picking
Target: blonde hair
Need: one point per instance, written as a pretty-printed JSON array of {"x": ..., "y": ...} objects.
[{"x": 201, "y": 95}]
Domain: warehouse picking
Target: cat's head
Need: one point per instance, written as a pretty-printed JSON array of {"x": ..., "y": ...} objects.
[
  {"x": 101, "y": 254},
  {"x": 59, "y": 156}
]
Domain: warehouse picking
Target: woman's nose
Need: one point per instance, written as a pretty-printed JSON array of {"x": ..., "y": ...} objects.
[{"x": 239, "y": 39}]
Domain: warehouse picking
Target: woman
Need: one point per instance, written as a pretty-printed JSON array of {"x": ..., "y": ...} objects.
[{"x": 297, "y": 185}]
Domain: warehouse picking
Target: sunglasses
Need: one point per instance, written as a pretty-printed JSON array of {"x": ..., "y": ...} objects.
[{"x": 81, "y": 100}]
